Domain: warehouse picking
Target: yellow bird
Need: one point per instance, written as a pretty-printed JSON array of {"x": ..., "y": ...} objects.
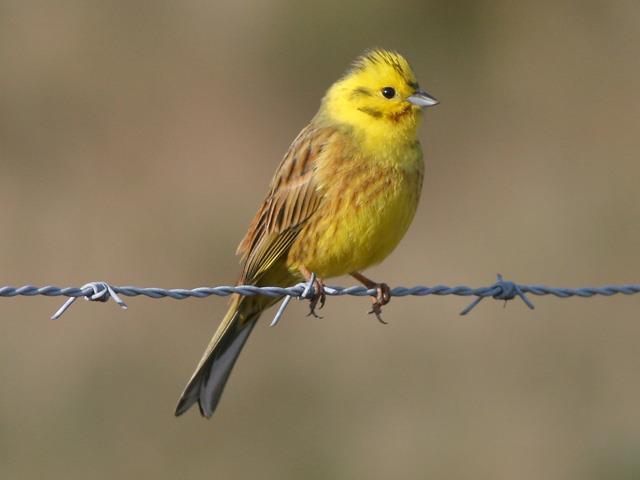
[{"x": 340, "y": 201}]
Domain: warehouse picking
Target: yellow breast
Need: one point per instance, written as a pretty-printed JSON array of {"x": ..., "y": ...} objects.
[{"x": 367, "y": 208}]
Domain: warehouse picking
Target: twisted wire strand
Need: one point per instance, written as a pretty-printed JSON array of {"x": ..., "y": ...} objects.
[{"x": 500, "y": 290}]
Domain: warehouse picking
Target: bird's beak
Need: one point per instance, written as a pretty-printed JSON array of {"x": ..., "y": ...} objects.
[{"x": 422, "y": 99}]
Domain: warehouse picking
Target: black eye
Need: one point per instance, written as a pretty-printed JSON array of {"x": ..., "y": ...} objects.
[{"x": 388, "y": 92}]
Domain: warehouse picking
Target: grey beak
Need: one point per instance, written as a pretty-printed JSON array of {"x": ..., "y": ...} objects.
[{"x": 422, "y": 99}]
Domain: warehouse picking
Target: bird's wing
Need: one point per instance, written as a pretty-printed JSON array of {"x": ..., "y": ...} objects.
[{"x": 293, "y": 197}]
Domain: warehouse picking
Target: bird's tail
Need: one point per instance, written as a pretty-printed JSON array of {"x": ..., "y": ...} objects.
[{"x": 208, "y": 381}]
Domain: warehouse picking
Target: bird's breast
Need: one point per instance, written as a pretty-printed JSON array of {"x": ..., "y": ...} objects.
[{"x": 366, "y": 210}]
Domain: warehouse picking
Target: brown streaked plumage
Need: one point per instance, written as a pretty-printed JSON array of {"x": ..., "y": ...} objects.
[{"x": 292, "y": 198}]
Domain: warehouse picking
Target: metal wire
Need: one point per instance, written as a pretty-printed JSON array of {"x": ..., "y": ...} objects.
[{"x": 501, "y": 289}]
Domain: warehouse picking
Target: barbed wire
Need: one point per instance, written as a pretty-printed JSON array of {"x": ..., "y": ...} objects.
[{"x": 501, "y": 289}]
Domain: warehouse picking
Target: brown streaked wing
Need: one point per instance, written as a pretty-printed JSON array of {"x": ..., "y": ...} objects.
[{"x": 293, "y": 197}]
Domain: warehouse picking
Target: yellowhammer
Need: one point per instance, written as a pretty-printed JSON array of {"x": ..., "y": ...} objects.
[{"x": 340, "y": 201}]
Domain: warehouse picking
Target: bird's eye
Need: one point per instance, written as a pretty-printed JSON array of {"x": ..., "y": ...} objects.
[{"x": 388, "y": 92}]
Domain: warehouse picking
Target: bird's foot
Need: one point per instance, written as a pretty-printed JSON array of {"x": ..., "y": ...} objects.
[
  {"x": 383, "y": 296},
  {"x": 318, "y": 297}
]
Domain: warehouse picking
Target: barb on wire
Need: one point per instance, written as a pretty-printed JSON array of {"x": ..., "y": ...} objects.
[
  {"x": 500, "y": 290},
  {"x": 102, "y": 292},
  {"x": 504, "y": 290},
  {"x": 307, "y": 293}
]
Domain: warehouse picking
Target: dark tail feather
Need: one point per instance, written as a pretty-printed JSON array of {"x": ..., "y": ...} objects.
[{"x": 208, "y": 381}]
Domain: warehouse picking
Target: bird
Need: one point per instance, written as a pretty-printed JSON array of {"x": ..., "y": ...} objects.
[{"x": 340, "y": 201}]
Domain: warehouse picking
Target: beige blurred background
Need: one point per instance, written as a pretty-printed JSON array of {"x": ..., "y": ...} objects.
[{"x": 138, "y": 138}]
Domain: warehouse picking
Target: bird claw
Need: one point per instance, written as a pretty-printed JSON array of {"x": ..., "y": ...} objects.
[
  {"x": 319, "y": 297},
  {"x": 377, "y": 311},
  {"x": 383, "y": 296}
]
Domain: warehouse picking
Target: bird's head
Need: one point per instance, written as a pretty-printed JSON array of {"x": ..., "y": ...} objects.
[{"x": 378, "y": 92}]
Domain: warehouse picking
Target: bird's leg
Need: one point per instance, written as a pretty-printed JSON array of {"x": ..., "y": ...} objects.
[
  {"x": 319, "y": 296},
  {"x": 383, "y": 295}
]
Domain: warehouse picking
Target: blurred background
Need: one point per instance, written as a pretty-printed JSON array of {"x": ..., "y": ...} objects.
[{"x": 137, "y": 140}]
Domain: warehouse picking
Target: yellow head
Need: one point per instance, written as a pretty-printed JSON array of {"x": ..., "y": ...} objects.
[{"x": 379, "y": 96}]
